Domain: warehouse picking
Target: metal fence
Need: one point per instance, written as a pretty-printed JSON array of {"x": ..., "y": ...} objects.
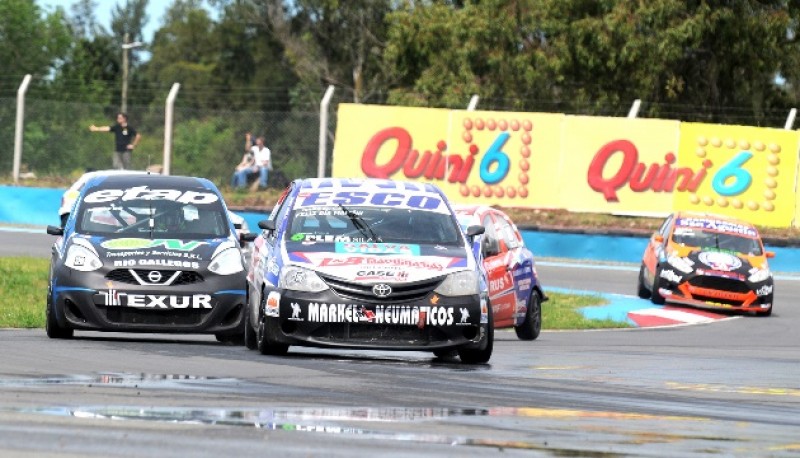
[{"x": 57, "y": 142}]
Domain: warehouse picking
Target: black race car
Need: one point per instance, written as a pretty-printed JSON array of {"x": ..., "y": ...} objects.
[{"x": 148, "y": 253}]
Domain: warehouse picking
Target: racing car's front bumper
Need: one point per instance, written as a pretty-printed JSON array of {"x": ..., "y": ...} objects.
[
  {"x": 91, "y": 301},
  {"x": 713, "y": 291},
  {"x": 326, "y": 320}
]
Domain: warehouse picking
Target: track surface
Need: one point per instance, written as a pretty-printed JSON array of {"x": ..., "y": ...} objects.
[{"x": 729, "y": 388}]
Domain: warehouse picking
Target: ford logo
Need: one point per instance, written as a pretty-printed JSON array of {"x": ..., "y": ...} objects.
[
  {"x": 382, "y": 290},
  {"x": 154, "y": 276}
]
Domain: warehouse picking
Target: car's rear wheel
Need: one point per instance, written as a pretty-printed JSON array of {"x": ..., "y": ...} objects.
[
  {"x": 655, "y": 296},
  {"x": 641, "y": 289},
  {"x": 532, "y": 325},
  {"x": 250, "y": 337},
  {"x": 483, "y": 353},
  {"x": 53, "y": 329}
]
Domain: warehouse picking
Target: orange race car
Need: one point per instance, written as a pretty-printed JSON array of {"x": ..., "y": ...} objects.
[{"x": 707, "y": 261}]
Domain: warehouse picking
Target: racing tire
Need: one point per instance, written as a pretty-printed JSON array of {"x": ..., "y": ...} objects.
[
  {"x": 483, "y": 353},
  {"x": 656, "y": 297},
  {"x": 265, "y": 344},
  {"x": 531, "y": 326},
  {"x": 250, "y": 337},
  {"x": 641, "y": 289},
  {"x": 51, "y": 326}
]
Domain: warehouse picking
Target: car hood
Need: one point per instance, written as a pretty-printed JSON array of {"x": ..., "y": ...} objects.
[
  {"x": 373, "y": 262},
  {"x": 722, "y": 263},
  {"x": 148, "y": 253},
  {"x": 721, "y": 260}
]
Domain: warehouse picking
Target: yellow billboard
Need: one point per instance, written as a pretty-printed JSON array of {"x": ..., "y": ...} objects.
[
  {"x": 618, "y": 165},
  {"x": 492, "y": 158},
  {"x": 749, "y": 172}
]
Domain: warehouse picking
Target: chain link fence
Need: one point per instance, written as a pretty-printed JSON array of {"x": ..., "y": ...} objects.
[{"x": 58, "y": 145}]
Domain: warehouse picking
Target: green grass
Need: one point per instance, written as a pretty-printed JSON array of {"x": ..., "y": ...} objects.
[
  {"x": 23, "y": 282},
  {"x": 561, "y": 312}
]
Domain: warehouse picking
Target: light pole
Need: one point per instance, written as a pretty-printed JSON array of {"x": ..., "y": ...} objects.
[{"x": 125, "y": 47}]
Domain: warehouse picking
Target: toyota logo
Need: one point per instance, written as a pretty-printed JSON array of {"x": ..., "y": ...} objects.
[
  {"x": 382, "y": 290},
  {"x": 154, "y": 276}
]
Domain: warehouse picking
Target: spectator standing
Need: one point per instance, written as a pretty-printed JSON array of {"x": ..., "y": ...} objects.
[{"x": 126, "y": 138}]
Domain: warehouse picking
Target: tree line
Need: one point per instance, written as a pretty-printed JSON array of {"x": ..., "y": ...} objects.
[{"x": 263, "y": 65}]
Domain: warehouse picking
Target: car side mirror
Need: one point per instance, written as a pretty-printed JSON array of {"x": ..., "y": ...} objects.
[
  {"x": 267, "y": 224},
  {"x": 237, "y": 225},
  {"x": 55, "y": 230},
  {"x": 769, "y": 254},
  {"x": 477, "y": 229},
  {"x": 658, "y": 238},
  {"x": 248, "y": 237}
]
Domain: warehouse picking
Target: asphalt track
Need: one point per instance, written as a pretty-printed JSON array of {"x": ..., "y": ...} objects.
[{"x": 728, "y": 388}]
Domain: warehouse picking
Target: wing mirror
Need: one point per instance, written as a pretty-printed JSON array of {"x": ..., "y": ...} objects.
[
  {"x": 55, "y": 230},
  {"x": 769, "y": 254},
  {"x": 658, "y": 238},
  {"x": 267, "y": 224}
]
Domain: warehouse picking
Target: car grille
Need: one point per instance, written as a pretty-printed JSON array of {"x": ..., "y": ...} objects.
[
  {"x": 371, "y": 334},
  {"x": 720, "y": 283},
  {"x": 127, "y": 315},
  {"x": 126, "y": 276},
  {"x": 401, "y": 292}
]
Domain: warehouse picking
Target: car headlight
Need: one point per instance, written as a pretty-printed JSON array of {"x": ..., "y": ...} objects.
[
  {"x": 227, "y": 262},
  {"x": 82, "y": 258},
  {"x": 300, "y": 279},
  {"x": 759, "y": 276},
  {"x": 464, "y": 283},
  {"x": 680, "y": 264}
]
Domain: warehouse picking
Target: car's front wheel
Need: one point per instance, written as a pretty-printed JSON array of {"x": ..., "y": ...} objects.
[
  {"x": 250, "y": 337},
  {"x": 51, "y": 326},
  {"x": 641, "y": 289},
  {"x": 656, "y": 297},
  {"x": 532, "y": 325},
  {"x": 483, "y": 353}
]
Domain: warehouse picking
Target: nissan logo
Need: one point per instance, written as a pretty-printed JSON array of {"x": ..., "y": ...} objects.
[
  {"x": 154, "y": 276},
  {"x": 382, "y": 290}
]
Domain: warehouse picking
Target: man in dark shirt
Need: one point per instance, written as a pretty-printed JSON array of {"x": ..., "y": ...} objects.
[{"x": 125, "y": 140}]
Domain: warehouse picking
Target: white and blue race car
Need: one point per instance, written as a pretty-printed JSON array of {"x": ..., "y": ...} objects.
[
  {"x": 147, "y": 253},
  {"x": 370, "y": 264}
]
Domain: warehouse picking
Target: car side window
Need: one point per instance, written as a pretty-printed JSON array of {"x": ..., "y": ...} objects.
[
  {"x": 664, "y": 229},
  {"x": 281, "y": 209}
]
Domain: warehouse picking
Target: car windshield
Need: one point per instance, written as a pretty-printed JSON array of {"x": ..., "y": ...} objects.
[
  {"x": 156, "y": 218},
  {"x": 373, "y": 224},
  {"x": 718, "y": 240}
]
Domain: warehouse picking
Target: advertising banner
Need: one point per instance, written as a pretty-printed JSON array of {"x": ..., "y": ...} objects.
[
  {"x": 578, "y": 163},
  {"x": 618, "y": 165},
  {"x": 499, "y": 158},
  {"x": 749, "y": 172}
]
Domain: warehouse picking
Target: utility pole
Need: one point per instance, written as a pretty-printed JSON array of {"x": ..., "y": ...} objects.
[{"x": 126, "y": 46}]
